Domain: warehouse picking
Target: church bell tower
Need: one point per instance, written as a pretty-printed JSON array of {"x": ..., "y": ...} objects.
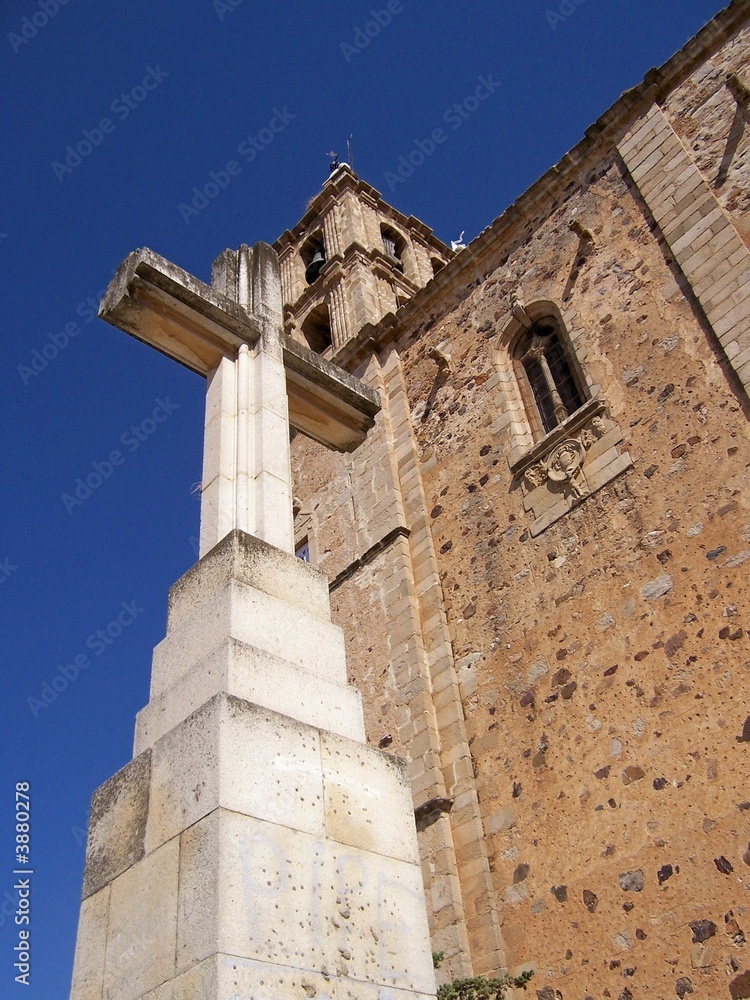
[{"x": 351, "y": 260}]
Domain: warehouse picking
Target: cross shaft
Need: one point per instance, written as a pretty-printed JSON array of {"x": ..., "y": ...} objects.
[{"x": 259, "y": 381}]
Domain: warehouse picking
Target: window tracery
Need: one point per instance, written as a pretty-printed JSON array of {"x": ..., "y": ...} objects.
[{"x": 548, "y": 382}]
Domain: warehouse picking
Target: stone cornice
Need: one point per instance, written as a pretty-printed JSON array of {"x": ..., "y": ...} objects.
[{"x": 599, "y": 140}]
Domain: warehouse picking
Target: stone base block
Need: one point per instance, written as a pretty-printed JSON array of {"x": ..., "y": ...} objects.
[
  {"x": 254, "y": 622},
  {"x": 246, "y": 854},
  {"x": 227, "y": 977},
  {"x": 250, "y": 561},
  {"x": 256, "y": 676},
  {"x": 257, "y": 619}
]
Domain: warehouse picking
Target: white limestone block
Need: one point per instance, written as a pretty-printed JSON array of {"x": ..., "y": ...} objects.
[
  {"x": 88, "y": 967},
  {"x": 295, "y": 900},
  {"x": 219, "y": 424},
  {"x": 227, "y": 977},
  {"x": 258, "y": 565},
  {"x": 233, "y": 754},
  {"x": 238, "y": 978},
  {"x": 257, "y": 619},
  {"x": 198, "y": 907},
  {"x": 368, "y": 799},
  {"x": 216, "y": 512},
  {"x": 269, "y": 383},
  {"x": 117, "y": 824},
  {"x": 272, "y": 445},
  {"x": 142, "y": 927},
  {"x": 257, "y": 677},
  {"x": 274, "y": 522},
  {"x": 217, "y": 488}
]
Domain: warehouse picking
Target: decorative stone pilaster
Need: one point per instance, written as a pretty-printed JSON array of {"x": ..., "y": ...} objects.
[
  {"x": 340, "y": 321},
  {"x": 332, "y": 232},
  {"x": 292, "y": 274}
]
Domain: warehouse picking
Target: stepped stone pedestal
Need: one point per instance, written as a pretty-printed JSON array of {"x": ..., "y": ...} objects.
[{"x": 254, "y": 847}]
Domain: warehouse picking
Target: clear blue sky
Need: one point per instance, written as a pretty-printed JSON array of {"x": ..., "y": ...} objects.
[{"x": 182, "y": 86}]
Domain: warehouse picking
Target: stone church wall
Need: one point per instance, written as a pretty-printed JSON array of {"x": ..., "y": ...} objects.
[{"x": 571, "y": 689}]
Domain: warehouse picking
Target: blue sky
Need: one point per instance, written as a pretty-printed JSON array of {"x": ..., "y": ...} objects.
[{"x": 114, "y": 116}]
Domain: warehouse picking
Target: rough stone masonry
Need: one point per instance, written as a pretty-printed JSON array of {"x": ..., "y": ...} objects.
[{"x": 552, "y": 623}]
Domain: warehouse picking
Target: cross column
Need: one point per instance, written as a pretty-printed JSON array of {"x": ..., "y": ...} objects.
[
  {"x": 246, "y": 462},
  {"x": 259, "y": 382},
  {"x": 243, "y": 851}
]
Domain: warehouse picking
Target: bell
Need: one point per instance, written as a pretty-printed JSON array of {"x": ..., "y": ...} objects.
[{"x": 313, "y": 268}]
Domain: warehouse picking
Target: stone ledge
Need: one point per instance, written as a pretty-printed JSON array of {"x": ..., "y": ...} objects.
[
  {"x": 368, "y": 556},
  {"x": 590, "y": 409},
  {"x": 240, "y": 556},
  {"x": 160, "y": 304},
  {"x": 260, "y": 678},
  {"x": 570, "y": 464},
  {"x": 245, "y": 613}
]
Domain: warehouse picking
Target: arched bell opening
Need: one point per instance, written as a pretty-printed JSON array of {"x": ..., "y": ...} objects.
[
  {"x": 394, "y": 245},
  {"x": 313, "y": 253},
  {"x": 316, "y": 329}
]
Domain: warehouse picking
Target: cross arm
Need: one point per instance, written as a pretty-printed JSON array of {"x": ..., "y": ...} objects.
[
  {"x": 165, "y": 307},
  {"x": 325, "y": 402}
]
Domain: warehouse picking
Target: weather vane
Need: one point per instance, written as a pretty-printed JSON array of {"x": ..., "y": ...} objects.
[{"x": 335, "y": 162}]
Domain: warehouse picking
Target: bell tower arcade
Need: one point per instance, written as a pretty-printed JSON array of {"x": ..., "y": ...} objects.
[{"x": 351, "y": 260}]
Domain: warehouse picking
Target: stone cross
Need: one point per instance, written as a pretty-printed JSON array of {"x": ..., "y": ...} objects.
[
  {"x": 259, "y": 381},
  {"x": 243, "y": 851}
]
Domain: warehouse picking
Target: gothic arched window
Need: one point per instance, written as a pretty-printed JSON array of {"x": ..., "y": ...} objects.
[{"x": 548, "y": 380}]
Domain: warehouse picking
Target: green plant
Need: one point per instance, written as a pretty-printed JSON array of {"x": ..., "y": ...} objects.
[
  {"x": 480, "y": 988},
  {"x": 437, "y": 958}
]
